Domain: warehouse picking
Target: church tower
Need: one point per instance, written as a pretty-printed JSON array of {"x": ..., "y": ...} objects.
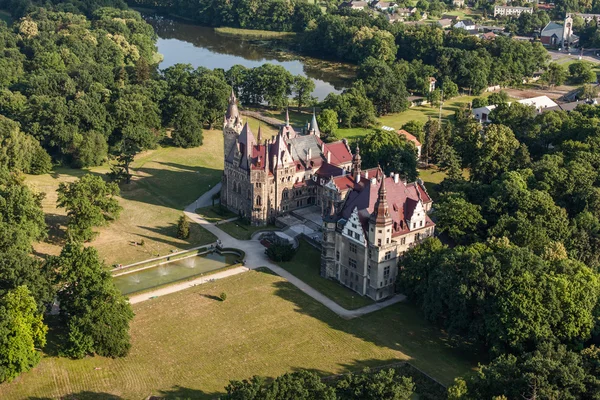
[
  {"x": 567, "y": 31},
  {"x": 232, "y": 125}
]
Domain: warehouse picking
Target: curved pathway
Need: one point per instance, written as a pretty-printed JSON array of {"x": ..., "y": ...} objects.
[{"x": 255, "y": 258}]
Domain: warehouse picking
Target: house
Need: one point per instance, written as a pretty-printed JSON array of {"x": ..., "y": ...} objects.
[
  {"x": 393, "y": 18},
  {"x": 482, "y": 114},
  {"x": 411, "y": 138},
  {"x": 376, "y": 219},
  {"x": 488, "y": 36},
  {"x": 444, "y": 23},
  {"x": 555, "y": 34},
  {"x": 354, "y": 5},
  {"x": 416, "y": 101},
  {"x": 384, "y": 6},
  {"x": 453, "y": 18},
  {"x": 511, "y": 11},
  {"x": 466, "y": 24},
  {"x": 458, "y": 3}
]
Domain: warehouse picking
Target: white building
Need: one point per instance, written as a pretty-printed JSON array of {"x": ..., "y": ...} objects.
[
  {"x": 511, "y": 11},
  {"x": 482, "y": 114},
  {"x": 466, "y": 24}
]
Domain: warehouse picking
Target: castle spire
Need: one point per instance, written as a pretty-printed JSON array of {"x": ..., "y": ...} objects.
[
  {"x": 259, "y": 134},
  {"x": 232, "y": 108},
  {"x": 314, "y": 127},
  {"x": 381, "y": 215},
  {"x": 287, "y": 117},
  {"x": 356, "y": 162}
]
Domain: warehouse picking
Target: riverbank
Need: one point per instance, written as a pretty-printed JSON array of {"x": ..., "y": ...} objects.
[{"x": 253, "y": 34}]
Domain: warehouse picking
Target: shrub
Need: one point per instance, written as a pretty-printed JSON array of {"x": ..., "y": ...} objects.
[
  {"x": 280, "y": 252},
  {"x": 223, "y": 296}
]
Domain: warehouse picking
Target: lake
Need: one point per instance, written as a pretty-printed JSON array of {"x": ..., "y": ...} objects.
[{"x": 200, "y": 46}]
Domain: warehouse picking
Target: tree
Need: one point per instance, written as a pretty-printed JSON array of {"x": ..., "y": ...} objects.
[
  {"x": 95, "y": 314},
  {"x": 458, "y": 218},
  {"x": 302, "y": 385},
  {"x": 183, "y": 227},
  {"x": 495, "y": 153},
  {"x": 89, "y": 202},
  {"x": 588, "y": 92},
  {"x": 142, "y": 71},
  {"x": 432, "y": 129},
  {"x": 328, "y": 122},
  {"x": 416, "y": 128},
  {"x": 22, "y": 332},
  {"x": 186, "y": 120},
  {"x": 392, "y": 152},
  {"x": 450, "y": 89},
  {"x": 280, "y": 251},
  {"x": 21, "y": 152},
  {"x": 554, "y": 75},
  {"x": 581, "y": 72},
  {"x": 384, "y": 384},
  {"x": 547, "y": 373},
  {"x": 498, "y": 98},
  {"x": 434, "y": 97},
  {"x": 479, "y": 102},
  {"x": 302, "y": 88}
]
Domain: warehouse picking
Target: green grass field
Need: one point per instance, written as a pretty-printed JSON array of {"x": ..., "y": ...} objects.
[
  {"x": 165, "y": 181},
  {"x": 189, "y": 345},
  {"x": 243, "y": 231},
  {"x": 254, "y": 33},
  {"x": 215, "y": 213},
  {"x": 306, "y": 265}
]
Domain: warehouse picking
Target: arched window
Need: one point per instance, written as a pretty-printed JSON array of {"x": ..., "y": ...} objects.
[{"x": 258, "y": 201}]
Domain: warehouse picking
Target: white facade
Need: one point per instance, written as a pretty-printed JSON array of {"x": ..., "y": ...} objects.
[
  {"x": 509, "y": 11},
  {"x": 481, "y": 114}
]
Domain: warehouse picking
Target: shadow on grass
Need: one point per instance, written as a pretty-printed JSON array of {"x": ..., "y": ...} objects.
[
  {"x": 211, "y": 297},
  {"x": 400, "y": 327},
  {"x": 184, "y": 393},
  {"x": 198, "y": 235}
]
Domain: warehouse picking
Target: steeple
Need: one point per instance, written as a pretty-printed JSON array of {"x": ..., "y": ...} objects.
[
  {"x": 232, "y": 109},
  {"x": 314, "y": 127},
  {"x": 259, "y": 137},
  {"x": 356, "y": 162},
  {"x": 381, "y": 215}
]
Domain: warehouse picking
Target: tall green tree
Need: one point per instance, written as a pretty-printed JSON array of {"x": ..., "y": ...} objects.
[
  {"x": 384, "y": 384},
  {"x": 89, "y": 202},
  {"x": 391, "y": 152},
  {"x": 302, "y": 89},
  {"x": 495, "y": 153},
  {"x": 95, "y": 314},
  {"x": 458, "y": 218},
  {"x": 22, "y": 333}
]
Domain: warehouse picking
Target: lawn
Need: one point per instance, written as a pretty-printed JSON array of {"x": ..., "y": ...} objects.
[
  {"x": 165, "y": 181},
  {"x": 189, "y": 345},
  {"x": 254, "y": 33},
  {"x": 306, "y": 266},
  {"x": 215, "y": 213},
  {"x": 243, "y": 231}
]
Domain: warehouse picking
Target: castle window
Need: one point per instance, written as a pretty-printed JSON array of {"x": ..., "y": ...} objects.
[
  {"x": 388, "y": 255},
  {"x": 378, "y": 242},
  {"x": 352, "y": 263},
  {"x": 403, "y": 240},
  {"x": 353, "y": 248},
  {"x": 417, "y": 237},
  {"x": 379, "y": 231},
  {"x": 258, "y": 201},
  {"x": 337, "y": 256},
  {"x": 354, "y": 226},
  {"x": 414, "y": 225},
  {"x": 387, "y": 240},
  {"x": 386, "y": 272},
  {"x": 421, "y": 224},
  {"x": 356, "y": 236}
]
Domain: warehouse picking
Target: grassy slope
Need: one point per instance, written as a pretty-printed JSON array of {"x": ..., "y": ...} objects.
[
  {"x": 189, "y": 345},
  {"x": 165, "y": 181},
  {"x": 306, "y": 265},
  {"x": 242, "y": 231},
  {"x": 253, "y": 33}
]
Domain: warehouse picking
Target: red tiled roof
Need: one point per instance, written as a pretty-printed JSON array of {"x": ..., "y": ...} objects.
[
  {"x": 339, "y": 152},
  {"x": 409, "y": 136}
]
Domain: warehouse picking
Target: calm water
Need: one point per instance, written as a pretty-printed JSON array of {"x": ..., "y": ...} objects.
[
  {"x": 180, "y": 42},
  {"x": 172, "y": 272}
]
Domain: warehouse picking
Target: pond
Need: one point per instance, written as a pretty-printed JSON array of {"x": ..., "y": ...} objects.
[
  {"x": 172, "y": 272},
  {"x": 200, "y": 46}
]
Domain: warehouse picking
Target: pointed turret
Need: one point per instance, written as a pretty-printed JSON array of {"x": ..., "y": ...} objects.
[
  {"x": 356, "y": 163},
  {"x": 287, "y": 117},
  {"x": 259, "y": 137},
  {"x": 232, "y": 109},
  {"x": 314, "y": 127},
  {"x": 246, "y": 142},
  {"x": 381, "y": 215}
]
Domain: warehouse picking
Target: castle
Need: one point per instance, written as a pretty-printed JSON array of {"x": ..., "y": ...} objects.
[{"x": 369, "y": 219}]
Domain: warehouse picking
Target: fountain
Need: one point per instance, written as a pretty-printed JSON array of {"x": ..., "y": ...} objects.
[{"x": 173, "y": 271}]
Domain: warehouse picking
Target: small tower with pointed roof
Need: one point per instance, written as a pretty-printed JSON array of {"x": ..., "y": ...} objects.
[
  {"x": 380, "y": 222},
  {"x": 356, "y": 163},
  {"x": 232, "y": 125},
  {"x": 313, "y": 128},
  {"x": 328, "y": 242}
]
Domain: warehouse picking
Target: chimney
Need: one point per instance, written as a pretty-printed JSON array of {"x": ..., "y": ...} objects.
[
  {"x": 309, "y": 154},
  {"x": 373, "y": 181},
  {"x": 396, "y": 178},
  {"x": 328, "y": 157},
  {"x": 366, "y": 174},
  {"x": 358, "y": 178}
]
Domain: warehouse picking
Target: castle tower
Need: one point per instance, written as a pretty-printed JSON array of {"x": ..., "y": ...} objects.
[
  {"x": 356, "y": 162},
  {"x": 328, "y": 268},
  {"x": 380, "y": 223},
  {"x": 313, "y": 128},
  {"x": 567, "y": 31},
  {"x": 232, "y": 125}
]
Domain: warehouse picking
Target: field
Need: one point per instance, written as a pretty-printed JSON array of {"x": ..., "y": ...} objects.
[
  {"x": 165, "y": 181},
  {"x": 215, "y": 213},
  {"x": 306, "y": 265},
  {"x": 189, "y": 345},
  {"x": 252, "y": 33}
]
